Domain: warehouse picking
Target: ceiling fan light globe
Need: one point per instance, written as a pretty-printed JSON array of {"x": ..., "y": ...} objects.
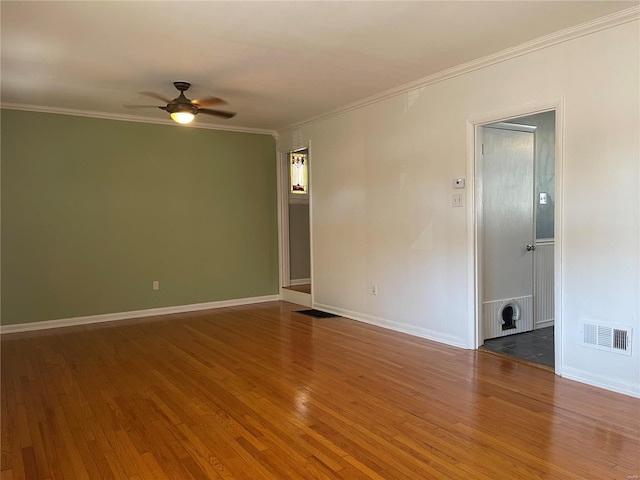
[{"x": 182, "y": 117}]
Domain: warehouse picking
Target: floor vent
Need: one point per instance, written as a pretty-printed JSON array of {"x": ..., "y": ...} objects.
[{"x": 606, "y": 337}]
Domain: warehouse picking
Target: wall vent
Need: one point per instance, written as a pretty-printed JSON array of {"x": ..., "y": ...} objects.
[{"x": 606, "y": 337}]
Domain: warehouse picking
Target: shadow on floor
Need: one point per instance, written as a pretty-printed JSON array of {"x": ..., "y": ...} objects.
[{"x": 535, "y": 346}]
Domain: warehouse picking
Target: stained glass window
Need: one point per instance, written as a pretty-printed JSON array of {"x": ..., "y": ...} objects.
[{"x": 298, "y": 172}]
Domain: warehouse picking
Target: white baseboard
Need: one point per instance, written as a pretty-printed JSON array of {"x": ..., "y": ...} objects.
[
  {"x": 299, "y": 298},
  {"x": 152, "y": 312},
  {"x": 300, "y": 281},
  {"x": 602, "y": 381},
  {"x": 545, "y": 323},
  {"x": 395, "y": 326}
]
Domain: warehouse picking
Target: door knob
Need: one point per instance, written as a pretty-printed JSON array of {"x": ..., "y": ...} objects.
[{"x": 531, "y": 248}]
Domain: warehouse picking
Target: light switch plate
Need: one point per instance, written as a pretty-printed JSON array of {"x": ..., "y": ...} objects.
[{"x": 458, "y": 182}]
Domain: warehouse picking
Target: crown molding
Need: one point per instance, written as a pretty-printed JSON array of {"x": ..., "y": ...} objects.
[
  {"x": 588, "y": 28},
  {"x": 131, "y": 118}
]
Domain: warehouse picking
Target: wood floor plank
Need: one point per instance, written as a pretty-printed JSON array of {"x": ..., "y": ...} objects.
[
  {"x": 6, "y": 475},
  {"x": 263, "y": 393}
]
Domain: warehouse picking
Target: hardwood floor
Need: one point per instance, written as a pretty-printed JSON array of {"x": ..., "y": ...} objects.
[{"x": 259, "y": 392}]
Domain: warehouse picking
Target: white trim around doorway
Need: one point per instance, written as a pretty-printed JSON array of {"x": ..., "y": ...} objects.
[
  {"x": 473, "y": 303},
  {"x": 284, "y": 270},
  {"x": 283, "y": 220}
]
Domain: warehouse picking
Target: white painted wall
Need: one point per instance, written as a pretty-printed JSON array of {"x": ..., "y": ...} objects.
[{"x": 382, "y": 189}]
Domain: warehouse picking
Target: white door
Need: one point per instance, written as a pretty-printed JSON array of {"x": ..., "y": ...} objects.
[{"x": 507, "y": 216}]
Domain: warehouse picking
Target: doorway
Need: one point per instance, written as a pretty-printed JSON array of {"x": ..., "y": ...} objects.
[
  {"x": 515, "y": 242},
  {"x": 295, "y": 278}
]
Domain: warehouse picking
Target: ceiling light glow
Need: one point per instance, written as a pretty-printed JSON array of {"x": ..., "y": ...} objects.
[{"x": 182, "y": 117}]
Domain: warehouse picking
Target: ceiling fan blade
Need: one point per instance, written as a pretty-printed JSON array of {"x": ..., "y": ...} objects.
[
  {"x": 217, "y": 113},
  {"x": 140, "y": 106},
  {"x": 208, "y": 101},
  {"x": 155, "y": 95}
]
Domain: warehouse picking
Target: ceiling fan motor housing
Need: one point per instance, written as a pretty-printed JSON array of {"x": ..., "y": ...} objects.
[
  {"x": 182, "y": 103},
  {"x": 181, "y": 107}
]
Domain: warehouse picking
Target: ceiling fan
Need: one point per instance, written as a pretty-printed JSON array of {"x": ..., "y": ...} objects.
[{"x": 183, "y": 110}]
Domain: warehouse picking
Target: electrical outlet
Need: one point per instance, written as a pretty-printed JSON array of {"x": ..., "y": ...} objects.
[
  {"x": 374, "y": 289},
  {"x": 456, "y": 200},
  {"x": 543, "y": 198},
  {"x": 156, "y": 285}
]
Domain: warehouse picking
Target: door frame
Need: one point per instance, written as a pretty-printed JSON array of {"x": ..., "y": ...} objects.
[
  {"x": 474, "y": 225},
  {"x": 284, "y": 265}
]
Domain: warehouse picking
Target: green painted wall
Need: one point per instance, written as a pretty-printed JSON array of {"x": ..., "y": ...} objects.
[{"x": 93, "y": 211}]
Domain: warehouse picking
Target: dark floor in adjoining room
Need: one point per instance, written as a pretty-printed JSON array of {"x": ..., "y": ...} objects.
[{"x": 535, "y": 346}]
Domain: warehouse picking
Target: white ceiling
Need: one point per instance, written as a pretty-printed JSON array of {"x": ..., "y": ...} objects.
[{"x": 276, "y": 63}]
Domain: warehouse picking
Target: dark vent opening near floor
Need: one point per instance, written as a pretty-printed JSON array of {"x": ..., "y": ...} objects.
[{"x": 316, "y": 313}]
